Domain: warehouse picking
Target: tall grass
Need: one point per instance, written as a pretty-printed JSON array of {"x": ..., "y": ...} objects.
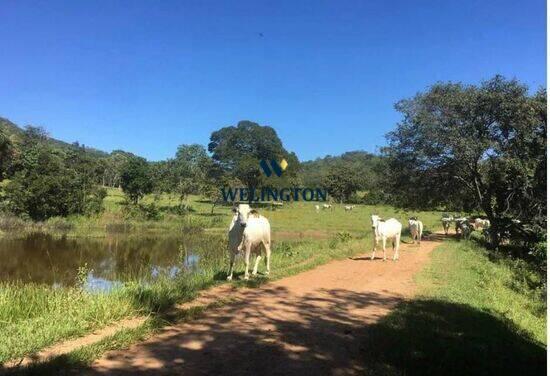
[{"x": 34, "y": 316}]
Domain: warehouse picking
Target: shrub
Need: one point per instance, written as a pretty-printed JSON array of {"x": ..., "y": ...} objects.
[
  {"x": 141, "y": 211},
  {"x": 94, "y": 202}
]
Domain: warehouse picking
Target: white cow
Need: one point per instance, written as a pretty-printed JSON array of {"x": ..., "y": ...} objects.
[
  {"x": 249, "y": 231},
  {"x": 446, "y": 222},
  {"x": 327, "y": 206},
  {"x": 480, "y": 223},
  {"x": 384, "y": 230},
  {"x": 349, "y": 207},
  {"x": 416, "y": 227},
  {"x": 466, "y": 229},
  {"x": 458, "y": 224}
]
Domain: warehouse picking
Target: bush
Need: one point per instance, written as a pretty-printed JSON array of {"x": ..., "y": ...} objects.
[
  {"x": 141, "y": 211},
  {"x": 374, "y": 198},
  {"x": 94, "y": 202}
]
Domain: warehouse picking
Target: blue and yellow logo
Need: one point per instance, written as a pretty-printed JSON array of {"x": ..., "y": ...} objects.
[{"x": 273, "y": 167}]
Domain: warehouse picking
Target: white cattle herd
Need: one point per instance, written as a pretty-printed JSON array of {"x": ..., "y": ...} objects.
[{"x": 250, "y": 234}]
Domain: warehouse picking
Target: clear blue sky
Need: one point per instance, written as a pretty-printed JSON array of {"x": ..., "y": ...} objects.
[{"x": 146, "y": 76}]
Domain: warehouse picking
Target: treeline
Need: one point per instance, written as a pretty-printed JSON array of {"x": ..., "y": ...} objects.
[
  {"x": 353, "y": 177},
  {"x": 473, "y": 148},
  {"x": 476, "y": 148},
  {"x": 47, "y": 177}
]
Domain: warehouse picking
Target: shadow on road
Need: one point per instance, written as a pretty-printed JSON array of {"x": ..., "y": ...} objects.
[{"x": 333, "y": 332}]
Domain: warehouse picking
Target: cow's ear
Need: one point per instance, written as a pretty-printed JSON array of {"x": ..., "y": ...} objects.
[{"x": 234, "y": 209}]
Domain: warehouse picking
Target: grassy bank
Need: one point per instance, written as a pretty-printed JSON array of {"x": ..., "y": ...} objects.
[
  {"x": 298, "y": 218},
  {"x": 33, "y": 316},
  {"x": 474, "y": 315}
]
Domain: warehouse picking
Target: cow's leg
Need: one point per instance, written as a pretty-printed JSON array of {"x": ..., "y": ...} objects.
[
  {"x": 374, "y": 248},
  {"x": 384, "y": 247},
  {"x": 246, "y": 260},
  {"x": 396, "y": 245},
  {"x": 267, "y": 257},
  {"x": 231, "y": 263},
  {"x": 255, "y": 270}
]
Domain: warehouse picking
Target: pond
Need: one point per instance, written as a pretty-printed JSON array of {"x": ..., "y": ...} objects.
[{"x": 105, "y": 263}]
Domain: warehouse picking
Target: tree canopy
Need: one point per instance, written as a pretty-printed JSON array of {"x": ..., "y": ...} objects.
[
  {"x": 136, "y": 179},
  {"x": 473, "y": 147},
  {"x": 239, "y": 149}
]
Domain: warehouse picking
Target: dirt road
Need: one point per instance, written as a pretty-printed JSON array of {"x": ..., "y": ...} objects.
[{"x": 308, "y": 324}]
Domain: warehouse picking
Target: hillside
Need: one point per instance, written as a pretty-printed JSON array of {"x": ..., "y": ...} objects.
[{"x": 14, "y": 132}]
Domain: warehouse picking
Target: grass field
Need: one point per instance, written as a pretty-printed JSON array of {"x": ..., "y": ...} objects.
[
  {"x": 473, "y": 316},
  {"x": 461, "y": 288},
  {"x": 295, "y": 218}
]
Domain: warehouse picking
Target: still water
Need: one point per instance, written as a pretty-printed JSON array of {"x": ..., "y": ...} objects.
[{"x": 109, "y": 261}]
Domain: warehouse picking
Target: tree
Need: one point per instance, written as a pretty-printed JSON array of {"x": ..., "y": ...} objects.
[
  {"x": 239, "y": 149},
  {"x": 475, "y": 147},
  {"x": 136, "y": 179},
  {"x": 6, "y": 153},
  {"x": 341, "y": 182},
  {"x": 47, "y": 182},
  {"x": 113, "y": 167}
]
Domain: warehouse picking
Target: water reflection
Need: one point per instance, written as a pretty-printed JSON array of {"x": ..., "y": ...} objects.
[{"x": 55, "y": 261}]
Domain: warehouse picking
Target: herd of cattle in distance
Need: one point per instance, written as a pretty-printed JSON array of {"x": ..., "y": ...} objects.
[{"x": 250, "y": 232}]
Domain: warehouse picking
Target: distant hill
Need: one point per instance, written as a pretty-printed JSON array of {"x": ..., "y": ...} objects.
[{"x": 14, "y": 131}]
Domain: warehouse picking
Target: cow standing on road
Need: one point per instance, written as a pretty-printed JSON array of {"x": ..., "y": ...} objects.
[
  {"x": 415, "y": 228},
  {"x": 384, "y": 230},
  {"x": 446, "y": 220},
  {"x": 249, "y": 232}
]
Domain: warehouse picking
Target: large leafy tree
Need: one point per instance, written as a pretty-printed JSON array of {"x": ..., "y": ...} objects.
[
  {"x": 238, "y": 150},
  {"x": 191, "y": 168},
  {"x": 136, "y": 179},
  {"x": 113, "y": 167},
  {"x": 473, "y": 147}
]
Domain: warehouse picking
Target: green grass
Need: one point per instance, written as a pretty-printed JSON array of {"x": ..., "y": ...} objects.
[
  {"x": 35, "y": 316},
  {"x": 32, "y": 316},
  {"x": 468, "y": 303},
  {"x": 472, "y": 316},
  {"x": 299, "y": 217}
]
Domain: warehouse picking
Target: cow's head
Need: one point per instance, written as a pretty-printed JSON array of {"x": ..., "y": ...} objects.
[
  {"x": 241, "y": 213},
  {"x": 375, "y": 219}
]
